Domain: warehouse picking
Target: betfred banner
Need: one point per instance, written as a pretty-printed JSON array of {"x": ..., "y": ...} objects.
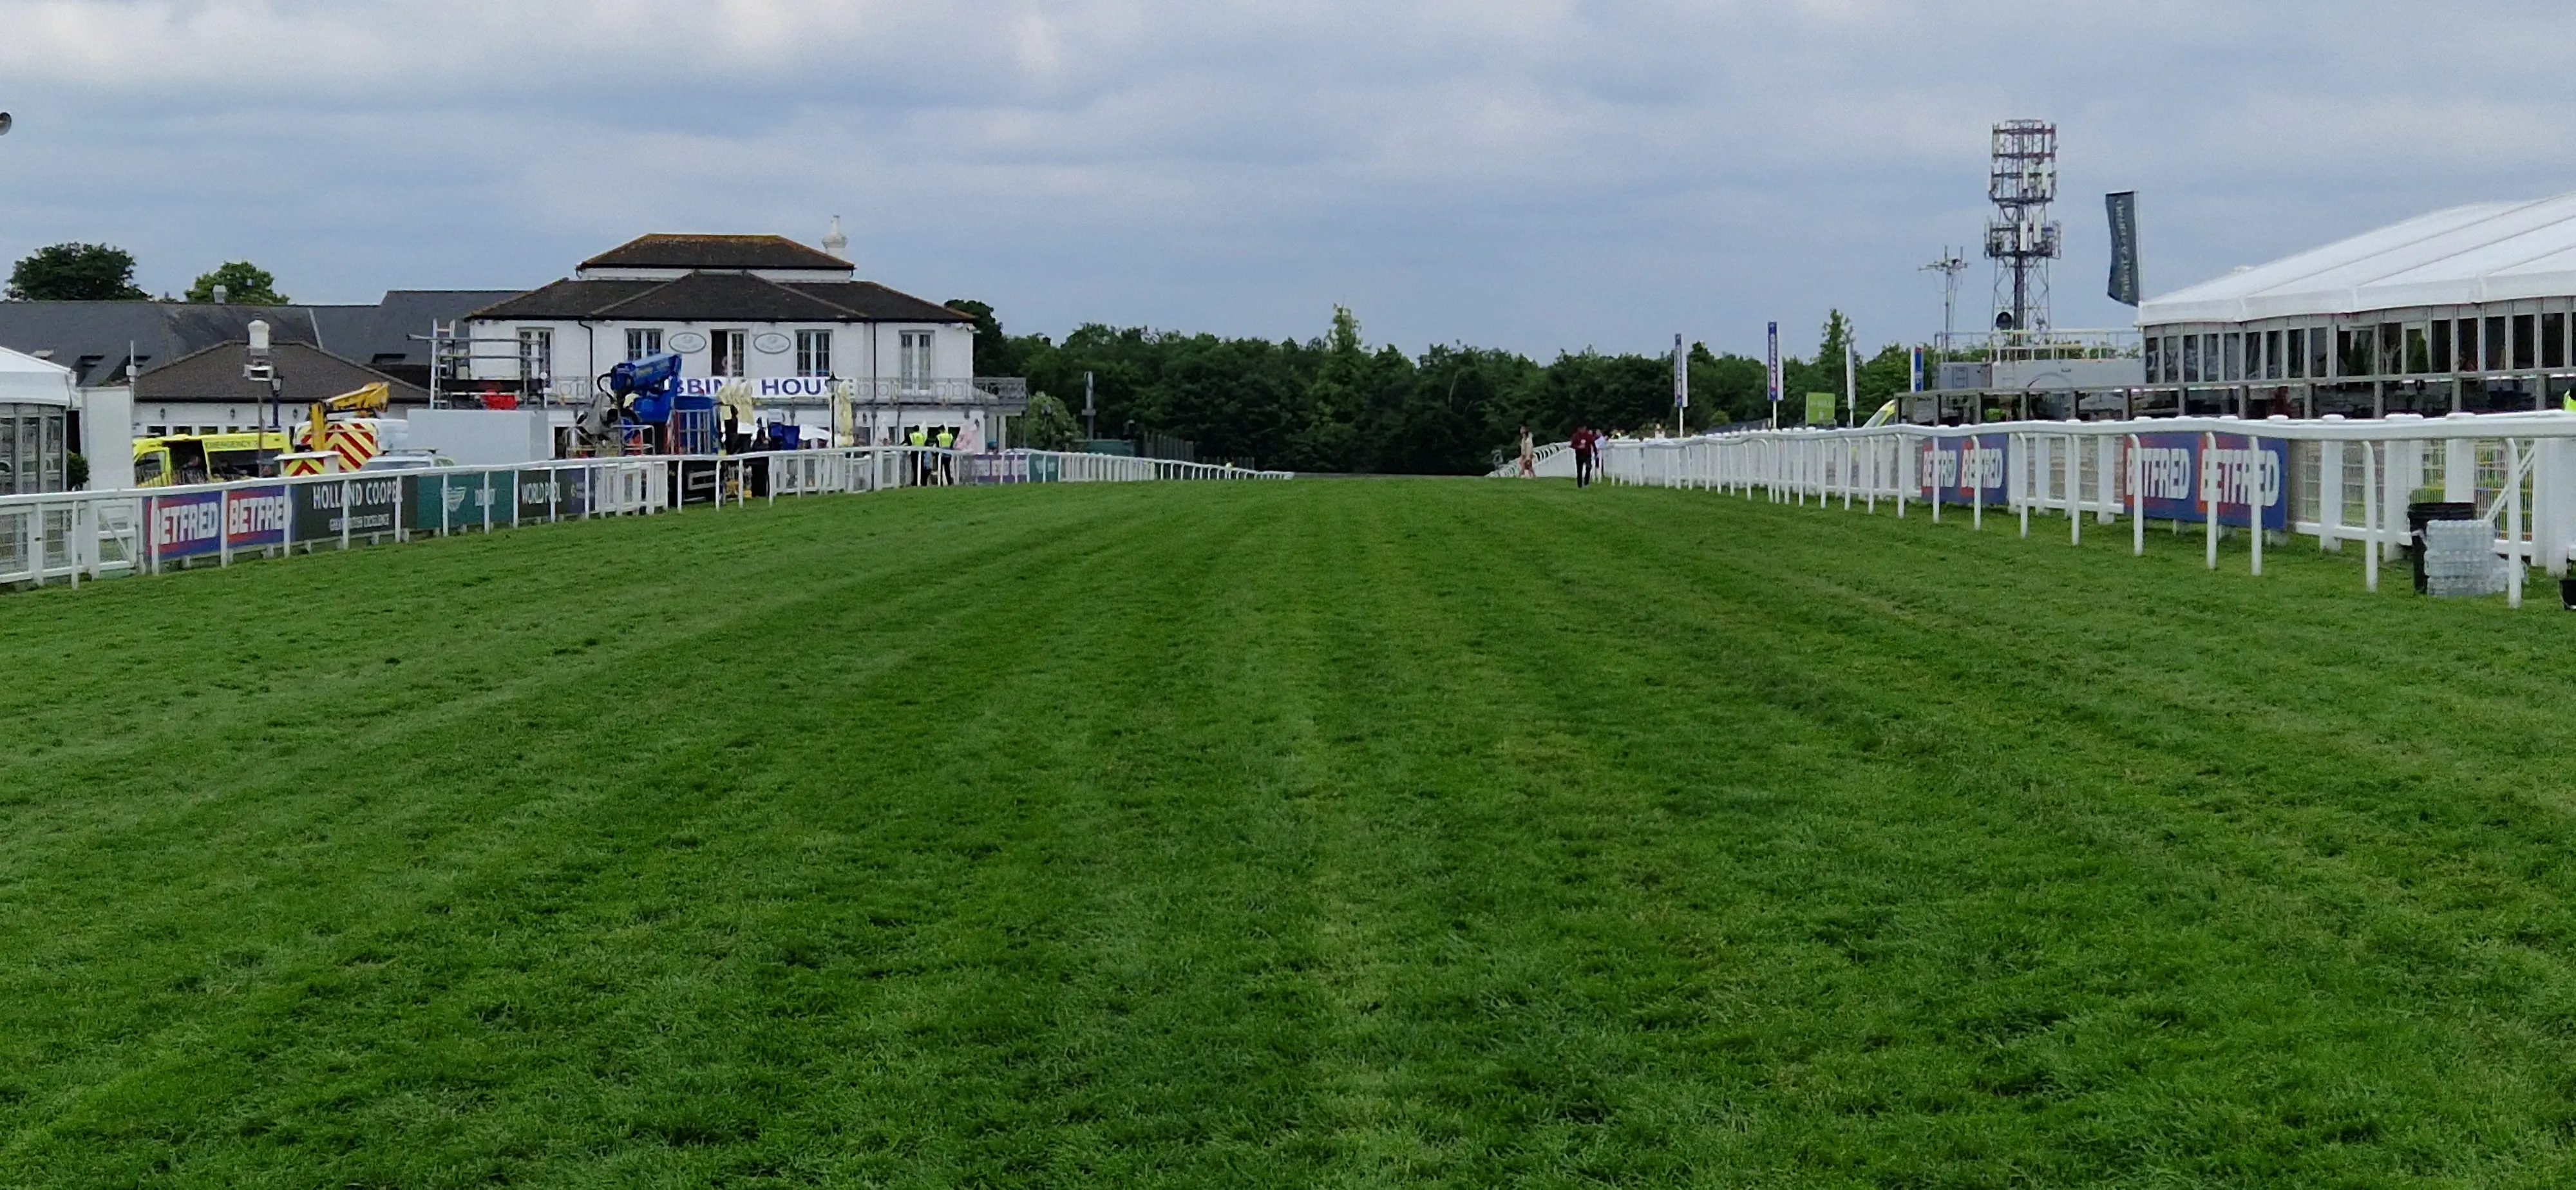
[
  {"x": 255, "y": 518},
  {"x": 363, "y": 503},
  {"x": 1963, "y": 470},
  {"x": 2179, "y": 475},
  {"x": 187, "y": 526}
]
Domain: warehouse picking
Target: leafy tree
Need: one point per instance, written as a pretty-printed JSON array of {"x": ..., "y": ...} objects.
[
  {"x": 75, "y": 273},
  {"x": 994, "y": 352},
  {"x": 244, "y": 284},
  {"x": 1046, "y": 426}
]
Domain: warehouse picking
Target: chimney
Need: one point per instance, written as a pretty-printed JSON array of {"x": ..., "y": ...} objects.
[
  {"x": 220, "y": 294},
  {"x": 836, "y": 243}
]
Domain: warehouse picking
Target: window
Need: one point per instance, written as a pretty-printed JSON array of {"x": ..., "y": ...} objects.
[
  {"x": 2155, "y": 358},
  {"x": 2191, "y": 359},
  {"x": 2523, "y": 354},
  {"x": 2316, "y": 353},
  {"x": 2352, "y": 352},
  {"x": 2553, "y": 340},
  {"x": 2173, "y": 359},
  {"x": 916, "y": 358},
  {"x": 2209, "y": 357},
  {"x": 2442, "y": 345},
  {"x": 2271, "y": 355},
  {"x": 536, "y": 354},
  {"x": 2419, "y": 358},
  {"x": 2495, "y": 345},
  {"x": 2392, "y": 348},
  {"x": 643, "y": 343},
  {"x": 813, "y": 353},
  {"x": 155, "y": 431},
  {"x": 2298, "y": 348},
  {"x": 725, "y": 352},
  {"x": 2464, "y": 353},
  {"x": 2235, "y": 357}
]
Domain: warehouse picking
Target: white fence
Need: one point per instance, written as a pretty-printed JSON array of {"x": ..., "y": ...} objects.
[
  {"x": 2330, "y": 479},
  {"x": 71, "y": 536}
]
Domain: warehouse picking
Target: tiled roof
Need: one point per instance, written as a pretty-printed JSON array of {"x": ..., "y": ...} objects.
[
  {"x": 715, "y": 252},
  {"x": 720, "y": 297}
]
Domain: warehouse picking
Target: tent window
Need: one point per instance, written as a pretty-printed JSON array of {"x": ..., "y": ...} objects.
[
  {"x": 2468, "y": 348},
  {"x": 2173, "y": 359},
  {"x": 2523, "y": 354},
  {"x": 2419, "y": 359},
  {"x": 2317, "y": 353},
  {"x": 2495, "y": 344},
  {"x": 2155, "y": 358},
  {"x": 2271, "y": 355},
  {"x": 2298, "y": 353},
  {"x": 2191, "y": 359},
  {"x": 2234, "y": 359},
  {"x": 2392, "y": 343},
  {"x": 2442, "y": 345},
  {"x": 2553, "y": 340}
]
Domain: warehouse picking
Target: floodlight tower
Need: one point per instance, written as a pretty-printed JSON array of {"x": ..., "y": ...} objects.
[
  {"x": 1949, "y": 266},
  {"x": 2021, "y": 240}
]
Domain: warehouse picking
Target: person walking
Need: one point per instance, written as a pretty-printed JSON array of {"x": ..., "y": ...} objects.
[
  {"x": 1529, "y": 456},
  {"x": 1583, "y": 442}
]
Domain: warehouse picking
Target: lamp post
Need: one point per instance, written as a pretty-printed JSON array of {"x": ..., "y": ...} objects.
[{"x": 259, "y": 368}]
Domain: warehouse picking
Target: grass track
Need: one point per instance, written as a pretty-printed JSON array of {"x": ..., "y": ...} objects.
[{"x": 1284, "y": 834}]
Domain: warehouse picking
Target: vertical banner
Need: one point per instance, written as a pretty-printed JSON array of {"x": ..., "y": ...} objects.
[
  {"x": 187, "y": 526},
  {"x": 1681, "y": 375},
  {"x": 1914, "y": 371},
  {"x": 2123, "y": 208},
  {"x": 2178, "y": 477},
  {"x": 1774, "y": 372},
  {"x": 255, "y": 518},
  {"x": 1954, "y": 470}
]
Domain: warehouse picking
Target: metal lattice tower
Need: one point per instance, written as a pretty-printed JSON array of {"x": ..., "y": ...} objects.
[{"x": 2021, "y": 240}]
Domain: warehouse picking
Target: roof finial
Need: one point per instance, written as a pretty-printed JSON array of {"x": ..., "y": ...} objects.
[{"x": 836, "y": 243}]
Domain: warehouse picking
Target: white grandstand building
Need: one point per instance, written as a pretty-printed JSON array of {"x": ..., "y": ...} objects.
[{"x": 2462, "y": 309}]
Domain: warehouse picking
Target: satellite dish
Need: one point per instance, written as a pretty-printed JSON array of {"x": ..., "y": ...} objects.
[{"x": 4, "y": 123}]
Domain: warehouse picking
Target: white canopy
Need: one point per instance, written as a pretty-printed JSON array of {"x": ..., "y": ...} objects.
[
  {"x": 2488, "y": 252},
  {"x": 26, "y": 380}
]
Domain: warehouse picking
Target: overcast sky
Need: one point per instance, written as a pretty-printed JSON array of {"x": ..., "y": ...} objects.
[{"x": 1517, "y": 173}]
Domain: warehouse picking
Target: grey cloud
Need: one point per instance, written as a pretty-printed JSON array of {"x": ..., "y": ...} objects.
[{"x": 1539, "y": 175}]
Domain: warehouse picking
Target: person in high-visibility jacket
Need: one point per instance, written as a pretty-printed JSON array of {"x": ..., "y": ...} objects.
[
  {"x": 947, "y": 463},
  {"x": 920, "y": 437}
]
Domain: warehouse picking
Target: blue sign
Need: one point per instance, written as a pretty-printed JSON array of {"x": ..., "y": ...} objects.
[
  {"x": 1963, "y": 470},
  {"x": 187, "y": 526},
  {"x": 256, "y": 517},
  {"x": 2180, "y": 475}
]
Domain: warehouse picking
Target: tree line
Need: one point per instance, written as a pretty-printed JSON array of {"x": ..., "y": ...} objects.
[
  {"x": 105, "y": 273},
  {"x": 1333, "y": 403}
]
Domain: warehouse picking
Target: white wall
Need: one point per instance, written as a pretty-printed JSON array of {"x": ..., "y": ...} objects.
[
  {"x": 859, "y": 350},
  {"x": 107, "y": 437},
  {"x": 482, "y": 437}
]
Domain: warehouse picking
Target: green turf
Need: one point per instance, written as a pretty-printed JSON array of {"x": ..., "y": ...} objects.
[{"x": 1456, "y": 833}]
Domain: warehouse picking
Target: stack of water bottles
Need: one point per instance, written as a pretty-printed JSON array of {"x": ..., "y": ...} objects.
[{"x": 2460, "y": 559}]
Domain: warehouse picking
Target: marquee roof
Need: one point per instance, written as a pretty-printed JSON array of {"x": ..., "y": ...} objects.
[
  {"x": 26, "y": 378},
  {"x": 2485, "y": 252}
]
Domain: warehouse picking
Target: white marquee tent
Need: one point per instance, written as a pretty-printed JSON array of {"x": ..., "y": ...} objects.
[
  {"x": 26, "y": 380},
  {"x": 2471, "y": 255}
]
